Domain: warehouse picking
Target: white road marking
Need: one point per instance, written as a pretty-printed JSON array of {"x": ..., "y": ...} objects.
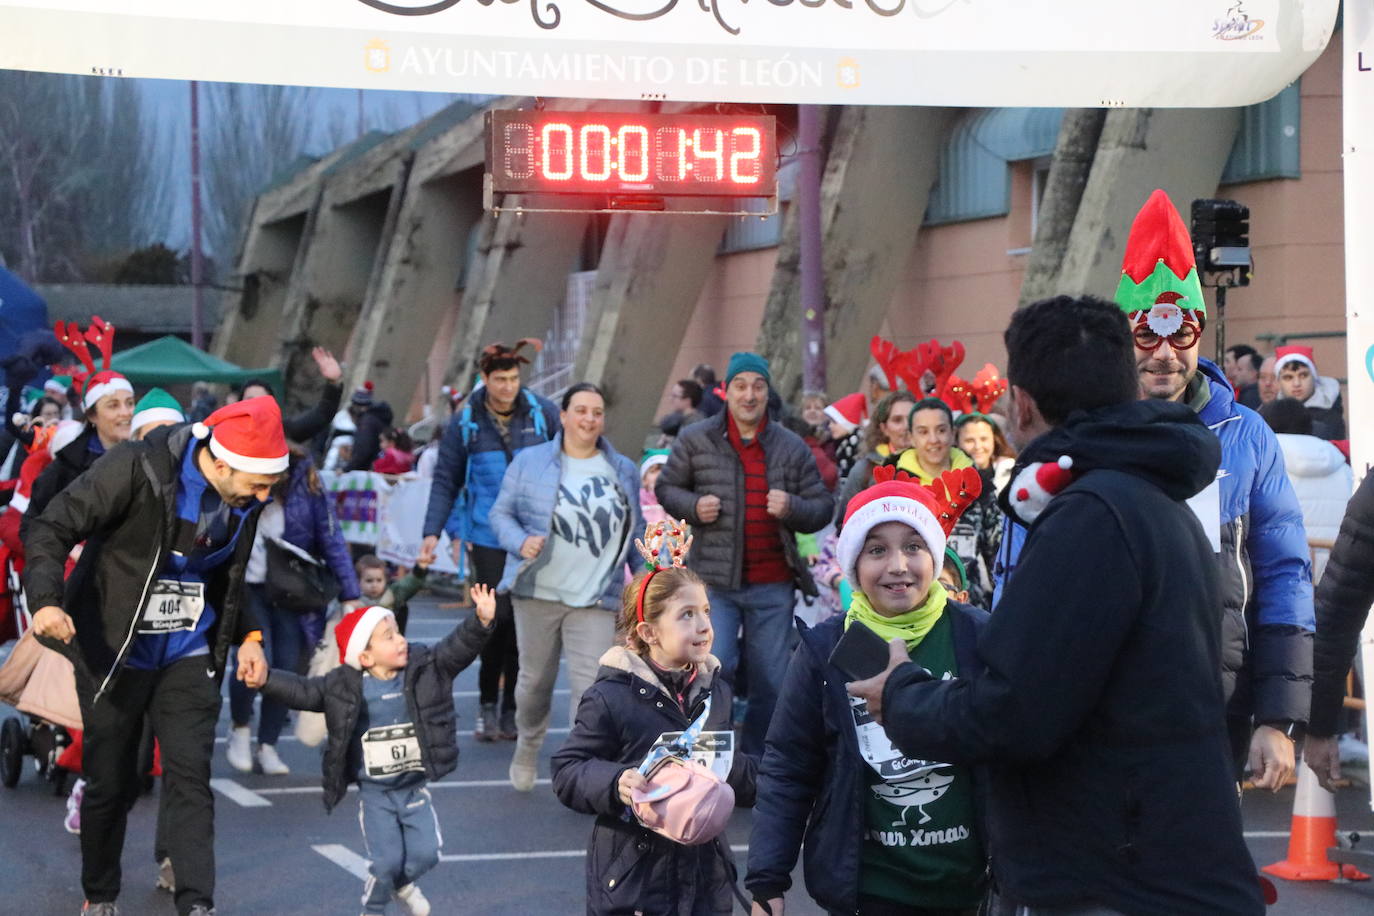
[
  {"x": 345, "y": 858},
  {"x": 241, "y": 795},
  {"x": 449, "y": 784},
  {"x": 1264, "y": 834},
  {"x": 458, "y": 694},
  {"x": 462, "y": 734}
]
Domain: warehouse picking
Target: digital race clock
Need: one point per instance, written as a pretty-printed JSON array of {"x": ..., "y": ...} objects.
[{"x": 624, "y": 160}]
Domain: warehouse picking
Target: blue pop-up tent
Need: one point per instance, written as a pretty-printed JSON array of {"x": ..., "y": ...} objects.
[{"x": 21, "y": 311}]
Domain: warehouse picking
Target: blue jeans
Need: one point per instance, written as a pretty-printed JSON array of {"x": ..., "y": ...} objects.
[
  {"x": 765, "y": 612},
  {"x": 281, "y": 643}
]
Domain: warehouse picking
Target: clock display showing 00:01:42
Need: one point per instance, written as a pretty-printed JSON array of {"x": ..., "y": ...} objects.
[{"x": 633, "y": 154}]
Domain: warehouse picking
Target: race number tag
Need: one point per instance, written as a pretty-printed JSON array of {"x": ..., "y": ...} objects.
[
  {"x": 715, "y": 750},
  {"x": 391, "y": 749},
  {"x": 173, "y": 606}
]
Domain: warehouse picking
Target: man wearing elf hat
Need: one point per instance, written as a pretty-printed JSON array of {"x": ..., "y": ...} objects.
[
  {"x": 148, "y": 618},
  {"x": 1266, "y": 612},
  {"x": 1298, "y": 379},
  {"x": 1110, "y": 787}
]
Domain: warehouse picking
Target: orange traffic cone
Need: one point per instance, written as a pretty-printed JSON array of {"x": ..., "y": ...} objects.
[{"x": 1314, "y": 832}]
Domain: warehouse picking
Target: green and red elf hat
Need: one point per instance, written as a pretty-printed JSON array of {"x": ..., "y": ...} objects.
[{"x": 1159, "y": 282}]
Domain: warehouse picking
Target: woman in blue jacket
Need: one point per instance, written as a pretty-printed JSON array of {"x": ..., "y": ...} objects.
[
  {"x": 566, "y": 516},
  {"x": 300, "y": 514}
]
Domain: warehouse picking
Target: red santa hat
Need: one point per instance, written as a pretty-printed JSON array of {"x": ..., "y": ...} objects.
[
  {"x": 247, "y": 436},
  {"x": 1294, "y": 354},
  {"x": 354, "y": 632},
  {"x": 1037, "y": 484},
  {"x": 849, "y": 411},
  {"x": 897, "y": 497},
  {"x": 103, "y": 384}
]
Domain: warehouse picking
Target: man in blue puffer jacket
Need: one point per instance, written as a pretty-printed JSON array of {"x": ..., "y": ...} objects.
[
  {"x": 1266, "y": 575},
  {"x": 499, "y": 420}
]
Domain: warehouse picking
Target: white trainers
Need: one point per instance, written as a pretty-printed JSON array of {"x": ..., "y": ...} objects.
[
  {"x": 239, "y": 750},
  {"x": 166, "y": 877},
  {"x": 413, "y": 899},
  {"x": 522, "y": 776},
  {"x": 269, "y": 762}
]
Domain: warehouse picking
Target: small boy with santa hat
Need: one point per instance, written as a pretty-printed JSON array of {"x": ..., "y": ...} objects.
[{"x": 392, "y": 729}]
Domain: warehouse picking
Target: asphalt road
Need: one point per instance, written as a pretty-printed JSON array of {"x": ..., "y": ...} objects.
[{"x": 505, "y": 852}]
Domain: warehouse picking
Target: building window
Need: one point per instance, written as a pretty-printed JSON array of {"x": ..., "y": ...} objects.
[{"x": 1269, "y": 141}]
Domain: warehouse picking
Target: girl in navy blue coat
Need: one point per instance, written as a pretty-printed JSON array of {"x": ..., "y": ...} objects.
[{"x": 648, "y": 689}]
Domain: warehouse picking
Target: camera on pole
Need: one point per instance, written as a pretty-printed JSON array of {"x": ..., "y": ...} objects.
[{"x": 1221, "y": 244}]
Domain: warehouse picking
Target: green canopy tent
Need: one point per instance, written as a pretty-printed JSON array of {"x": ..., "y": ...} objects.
[{"x": 172, "y": 361}]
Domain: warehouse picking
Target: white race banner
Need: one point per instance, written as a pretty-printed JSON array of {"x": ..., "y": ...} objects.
[
  {"x": 1358, "y": 103},
  {"x": 359, "y": 500},
  {"x": 401, "y": 528},
  {"x": 1097, "y": 53}
]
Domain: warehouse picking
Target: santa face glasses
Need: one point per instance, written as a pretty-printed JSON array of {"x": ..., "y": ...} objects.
[{"x": 1185, "y": 338}]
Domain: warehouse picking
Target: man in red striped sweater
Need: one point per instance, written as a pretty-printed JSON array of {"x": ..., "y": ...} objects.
[{"x": 747, "y": 485}]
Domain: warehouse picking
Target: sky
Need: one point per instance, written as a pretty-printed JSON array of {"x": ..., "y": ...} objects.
[{"x": 170, "y": 100}]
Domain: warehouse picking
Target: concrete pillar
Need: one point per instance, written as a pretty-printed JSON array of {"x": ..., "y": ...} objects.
[
  {"x": 327, "y": 291},
  {"x": 878, "y": 174},
  {"x": 414, "y": 287},
  {"x": 652, "y": 271},
  {"x": 516, "y": 279},
  {"x": 251, "y": 325},
  {"x": 1181, "y": 150}
]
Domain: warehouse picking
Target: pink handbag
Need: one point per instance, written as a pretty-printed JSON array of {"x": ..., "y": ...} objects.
[{"x": 684, "y": 801}]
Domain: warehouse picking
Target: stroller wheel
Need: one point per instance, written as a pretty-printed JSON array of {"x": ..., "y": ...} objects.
[{"x": 11, "y": 752}]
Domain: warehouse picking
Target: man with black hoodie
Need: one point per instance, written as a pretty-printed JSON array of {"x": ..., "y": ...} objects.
[{"x": 1100, "y": 715}]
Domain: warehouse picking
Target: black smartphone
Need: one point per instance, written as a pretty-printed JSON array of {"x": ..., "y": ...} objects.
[{"x": 860, "y": 653}]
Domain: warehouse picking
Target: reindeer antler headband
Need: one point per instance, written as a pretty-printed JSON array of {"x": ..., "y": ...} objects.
[
  {"x": 664, "y": 546},
  {"x": 92, "y": 382}
]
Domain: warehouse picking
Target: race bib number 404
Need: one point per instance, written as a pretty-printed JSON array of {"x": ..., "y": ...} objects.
[
  {"x": 391, "y": 749},
  {"x": 173, "y": 606}
]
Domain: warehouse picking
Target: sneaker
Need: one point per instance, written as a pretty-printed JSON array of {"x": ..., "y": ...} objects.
[
  {"x": 485, "y": 729},
  {"x": 73, "y": 819},
  {"x": 240, "y": 749},
  {"x": 508, "y": 729},
  {"x": 201, "y": 909},
  {"x": 166, "y": 878},
  {"x": 269, "y": 763},
  {"x": 413, "y": 899},
  {"x": 99, "y": 909},
  {"x": 522, "y": 776}
]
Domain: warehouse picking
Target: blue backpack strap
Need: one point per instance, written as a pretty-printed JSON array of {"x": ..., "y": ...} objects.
[
  {"x": 682, "y": 747},
  {"x": 541, "y": 424},
  {"x": 468, "y": 427}
]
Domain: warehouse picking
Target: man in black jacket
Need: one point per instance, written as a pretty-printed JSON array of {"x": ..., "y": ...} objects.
[
  {"x": 1343, "y": 598},
  {"x": 1100, "y": 715},
  {"x": 147, "y": 619},
  {"x": 747, "y": 485}
]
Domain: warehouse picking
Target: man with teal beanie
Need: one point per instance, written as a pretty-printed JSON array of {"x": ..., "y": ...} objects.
[{"x": 747, "y": 486}]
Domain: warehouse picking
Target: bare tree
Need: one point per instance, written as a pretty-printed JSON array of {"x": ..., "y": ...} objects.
[
  {"x": 251, "y": 135},
  {"x": 81, "y": 173}
]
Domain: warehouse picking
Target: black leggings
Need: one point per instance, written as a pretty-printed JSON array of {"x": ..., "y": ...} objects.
[{"x": 500, "y": 655}]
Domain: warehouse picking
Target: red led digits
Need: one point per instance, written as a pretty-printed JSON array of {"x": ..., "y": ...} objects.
[{"x": 600, "y": 152}]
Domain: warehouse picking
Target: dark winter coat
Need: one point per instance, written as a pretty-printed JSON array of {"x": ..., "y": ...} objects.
[
  {"x": 367, "y": 439},
  {"x": 811, "y": 780},
  {"x": 429, "y": 699},
  {"x": 1266, "y": 576},
  {"x": 704, "y": 462},
  {"x": 473, "y": 458},
  {"x": 125, "y": 509},
  {"x": 631, "y": 869},
  {"x": 310, "y": 525},
  {"x": 68, "y": 464},
  {"x": 1343, "y": 598},
  {"x": 1100, "y": 713},
  {"x": 309, "y": 423}
]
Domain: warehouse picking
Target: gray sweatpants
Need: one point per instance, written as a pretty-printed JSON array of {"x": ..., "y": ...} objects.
[
  {"x": 401, "y": 834},
  {"x": 543, "y": 631}
]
